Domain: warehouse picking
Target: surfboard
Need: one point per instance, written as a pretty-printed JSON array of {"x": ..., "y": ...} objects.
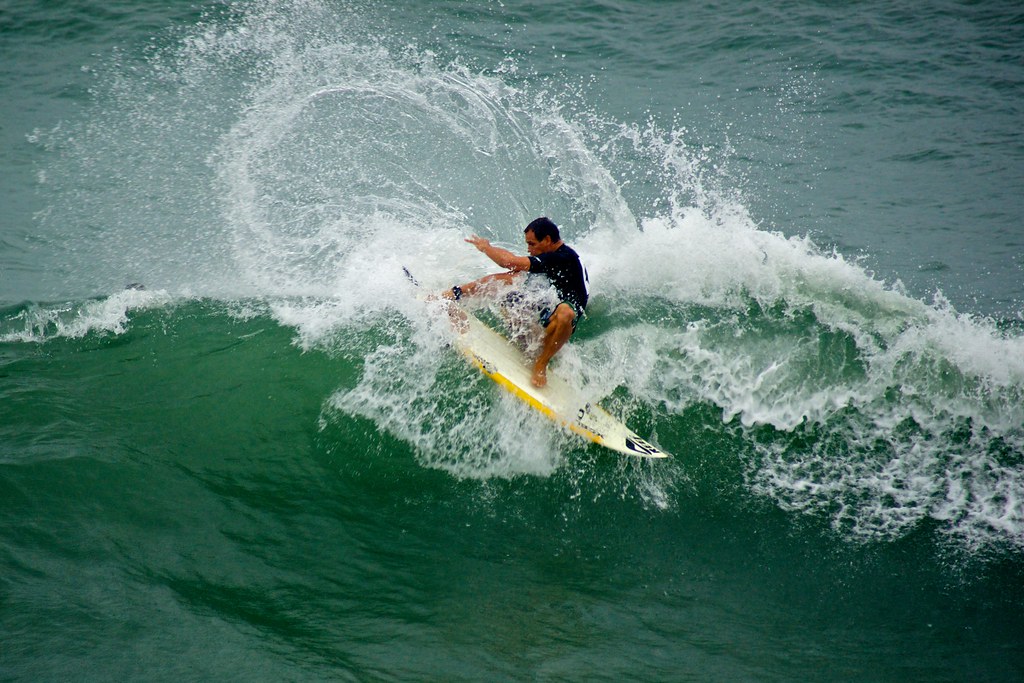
[{"x": 498, "y": 358}]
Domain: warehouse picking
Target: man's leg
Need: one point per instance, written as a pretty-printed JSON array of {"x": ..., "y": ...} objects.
[{"x": 557, "y": 332}]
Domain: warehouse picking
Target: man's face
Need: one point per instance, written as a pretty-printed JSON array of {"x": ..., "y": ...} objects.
[{"x": 537, "y": 247}]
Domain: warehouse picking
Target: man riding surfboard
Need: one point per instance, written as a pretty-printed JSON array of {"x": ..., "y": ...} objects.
[{"x": 550, "y": 256}]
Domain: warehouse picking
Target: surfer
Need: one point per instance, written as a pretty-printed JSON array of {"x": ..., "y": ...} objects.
[{"x": 550, "y": 256}]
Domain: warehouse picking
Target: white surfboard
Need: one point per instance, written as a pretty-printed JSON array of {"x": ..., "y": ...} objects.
[{"x": 500, "y": 360}]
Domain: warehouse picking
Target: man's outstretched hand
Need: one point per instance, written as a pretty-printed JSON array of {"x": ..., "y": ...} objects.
[{"x": 479, "y": 242}]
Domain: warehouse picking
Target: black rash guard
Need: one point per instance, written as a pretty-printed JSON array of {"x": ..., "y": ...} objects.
[{"x": 567, "y": 274}]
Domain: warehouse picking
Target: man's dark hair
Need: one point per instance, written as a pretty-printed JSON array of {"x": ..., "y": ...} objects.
[{"x": 543, "y": 227}]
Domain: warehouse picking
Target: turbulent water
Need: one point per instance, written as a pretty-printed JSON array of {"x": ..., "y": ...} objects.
[{"x": 235, "y": 443}]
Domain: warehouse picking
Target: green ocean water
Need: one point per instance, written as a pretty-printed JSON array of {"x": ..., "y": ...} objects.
[{"x": 235, "y": 445}]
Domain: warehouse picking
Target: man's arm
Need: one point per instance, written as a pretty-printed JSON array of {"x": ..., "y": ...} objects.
[
  {"x": 503, "y": 257},
  {"x": 483, "y": 285}
]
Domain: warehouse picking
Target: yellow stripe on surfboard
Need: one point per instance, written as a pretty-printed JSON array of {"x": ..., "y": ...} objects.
[{"x": 532, "y": 401}]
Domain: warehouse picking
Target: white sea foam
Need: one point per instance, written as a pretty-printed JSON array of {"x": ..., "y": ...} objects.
[
  {"x": 914, "y": 410},
  {"x": 109, "y": 315}
]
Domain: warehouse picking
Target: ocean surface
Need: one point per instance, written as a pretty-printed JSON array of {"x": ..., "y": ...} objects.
[{"x": 236, "y": 445}]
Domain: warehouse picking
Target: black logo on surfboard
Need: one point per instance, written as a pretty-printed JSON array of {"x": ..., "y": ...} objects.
[{"x": 640, "y": 446}]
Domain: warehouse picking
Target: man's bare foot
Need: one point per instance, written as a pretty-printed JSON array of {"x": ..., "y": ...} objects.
[{"x": 540, "y": 376}]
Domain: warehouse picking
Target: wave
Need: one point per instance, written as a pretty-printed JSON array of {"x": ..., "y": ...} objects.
[
  {"x": 39, "y": 323},
  {"x": 331, "y": 155}
]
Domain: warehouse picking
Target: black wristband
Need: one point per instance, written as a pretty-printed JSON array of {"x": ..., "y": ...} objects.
[{"x": 456, "y": 292}]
